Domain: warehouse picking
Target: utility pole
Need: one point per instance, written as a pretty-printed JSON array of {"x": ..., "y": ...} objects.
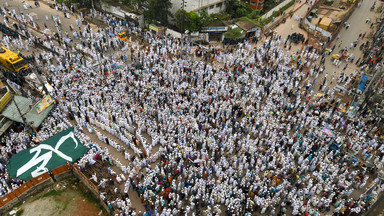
[
  {"x": 22, "y": 115},
  {"x": 93, "y": 8},
  {"x": 182, "y": 20},
  {"x": 18, "y": 110}
]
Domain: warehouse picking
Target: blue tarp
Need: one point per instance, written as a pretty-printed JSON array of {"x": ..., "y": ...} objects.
[{"x": 363, "y": 81}]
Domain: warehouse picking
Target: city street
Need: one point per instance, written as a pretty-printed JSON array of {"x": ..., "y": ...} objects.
[
  {"x": 292, "y": 24},
  {"x": 110, "y": 93},
  {"x": 347, "y": 36}
]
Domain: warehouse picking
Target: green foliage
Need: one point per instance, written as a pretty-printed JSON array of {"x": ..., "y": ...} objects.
[
  {"x": 135, "y": 4},
  {"x": 254, "y": 14},
  {"x": 221, "y": 16},
  {"x": 240, "y": 12},
  {"x": 73, "y": 181},
  {"x": 275, "y": 13},
  {"x": 267, "y": 20},
  {"x": 158, "y": 11},
  {"x": 180, "y": 18},
  {"x": 19, "y": 212},
  {"x": 287, "y": 6},
  {"x": 234, "y": 33},
  {"x": 205, "y": 19},
  {"x": 237, "y": 8},
  {"x": 193, "y": 23},
  {"x": 268, "y": 5},
  {"x": 187, "y": 21},
  {"x": 65, "y": 204},
  {"x": 257, "y": 22},
  {"x": 281, "y": 10}
]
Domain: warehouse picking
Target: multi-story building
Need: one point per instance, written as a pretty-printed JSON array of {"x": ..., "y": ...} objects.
[
  {"x": 211, "y": 6},
  {"x": 256, "y": 4}
]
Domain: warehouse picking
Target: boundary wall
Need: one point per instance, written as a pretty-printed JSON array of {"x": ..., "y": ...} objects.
[{"x": 37, "y": 184}]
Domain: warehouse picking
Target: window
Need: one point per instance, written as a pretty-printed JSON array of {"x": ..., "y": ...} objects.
[
  {"x": 211, "y": 7},
  {"x": 219, "y": 4},
  {"x": 253, "y": 3},
  {"x": 260, "y": 3}
]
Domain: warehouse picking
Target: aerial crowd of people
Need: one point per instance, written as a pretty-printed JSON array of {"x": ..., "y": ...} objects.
[{"x": 241, "y": 130}]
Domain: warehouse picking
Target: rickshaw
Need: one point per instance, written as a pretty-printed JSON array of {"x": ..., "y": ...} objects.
[{"x": 335, "y": 56}]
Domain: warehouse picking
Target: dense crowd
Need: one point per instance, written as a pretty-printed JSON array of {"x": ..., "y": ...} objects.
[{"x": 240, "y": 131}]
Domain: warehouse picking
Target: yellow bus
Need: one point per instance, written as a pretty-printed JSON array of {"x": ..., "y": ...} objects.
[{"x": 11, "y": 60}]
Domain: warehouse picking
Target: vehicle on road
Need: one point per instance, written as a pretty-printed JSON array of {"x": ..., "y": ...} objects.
[{"x": 12, "y": 61}]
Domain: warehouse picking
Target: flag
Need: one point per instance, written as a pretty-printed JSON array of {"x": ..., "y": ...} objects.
[{"x": 54, "y": 152}]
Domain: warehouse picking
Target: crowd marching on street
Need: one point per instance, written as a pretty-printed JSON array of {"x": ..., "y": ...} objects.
[{"x": 239, "y": 130}]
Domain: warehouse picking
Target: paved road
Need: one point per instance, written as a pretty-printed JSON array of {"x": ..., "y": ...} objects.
[
  {"x": 292, "y": 24},
  {"x": 43, "y": 18},
  {"x": 358, "y": 26},
  {"x": 347, "y": 36},
  {"x": 45, "y": 11}
]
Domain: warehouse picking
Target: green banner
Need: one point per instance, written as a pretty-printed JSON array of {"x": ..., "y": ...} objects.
[{"x": 49, "y": 154}]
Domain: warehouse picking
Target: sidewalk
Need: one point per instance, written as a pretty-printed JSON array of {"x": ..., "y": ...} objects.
[{"x": 292, "y": 25}]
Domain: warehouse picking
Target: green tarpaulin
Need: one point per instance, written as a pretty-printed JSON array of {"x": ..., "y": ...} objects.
[
  {"x": 32, "y": 117},
  {"x": 49, "y": 154}
]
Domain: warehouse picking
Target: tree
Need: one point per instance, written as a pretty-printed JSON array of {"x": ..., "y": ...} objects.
[
  {"x": 158, "y": 11},
  {"x": 237, "y": 8},
  {"x": 135, "y": 4},
  {"x": 254, "y": 14},
  {"x": 235, "y": 33},
  {"x": 193, "y": 24},
  {"x": 230, "y": 6},
  {"x": 205, "y": 19},
  {"x": 181, "y": 17},
  {"x": 187, "y": 21},
  {"x": 240, "y": 12}
]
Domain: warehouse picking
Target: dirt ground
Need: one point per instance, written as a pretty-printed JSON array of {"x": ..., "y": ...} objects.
[{"x": 66, "y": 198}]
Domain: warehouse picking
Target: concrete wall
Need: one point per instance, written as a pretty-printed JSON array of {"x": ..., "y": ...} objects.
[
  {"x": 173, "y": 33},
  {"x": 347, "y": 15},
  {"x": 31, "y": 192},
  {"x": 322, "y": 34},
  {"x": 312, "y": 29},
  {"x": 91, "y": 188},
  {"x": 277, "y": 8},
  {"x": 34, "y": 188},
  {"x": 201, "y": 37},
  {"x": 211, "y": 6},
  {"x": 117, "y": 11}
]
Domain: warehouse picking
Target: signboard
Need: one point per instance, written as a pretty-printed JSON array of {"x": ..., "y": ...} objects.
[
  {"x": 214, "y": 29},
  {"x": 154, "y": 28},
  {"x": 49, "y": 154},
  {"x": 43, "y": 104},
  {"x": 328, "y": 132},
  {"x": 5, "y": 99},
  {"x": 114, "y": 68}
]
